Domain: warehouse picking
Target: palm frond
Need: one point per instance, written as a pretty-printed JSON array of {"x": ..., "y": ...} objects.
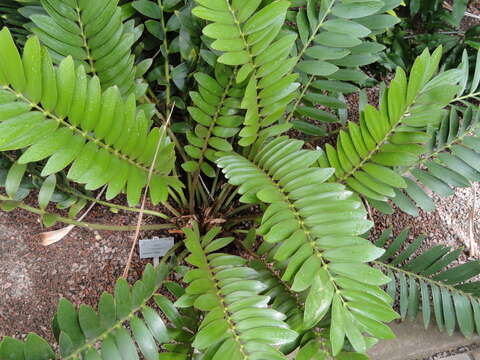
[
  {"x": 453, "y": 151},
  {"x": 394, "y": 135},
  {"x": 125, "y": 326},
  {"x": 248, "y": 36},
  {"x": 238, "y": 321},
  {"x": 428, "y": 282},
  {"x": 336, "y": 39},
  {"x": 94, "y": 34},
  {"x": 217, "y": 113},
  {"x": 60, "y": 113},
  {"x": 317, "y": 238},
  {"x": 282, "y": 297},
  {"x": 312, "y": 343}
]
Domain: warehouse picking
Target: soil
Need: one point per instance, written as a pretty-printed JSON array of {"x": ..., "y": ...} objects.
[
  {"x": 80, "y": 267},
  {"x": 448, "y": 225}
]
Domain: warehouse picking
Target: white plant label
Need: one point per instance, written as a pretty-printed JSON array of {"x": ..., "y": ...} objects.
[{"x": 155, "y": 248}]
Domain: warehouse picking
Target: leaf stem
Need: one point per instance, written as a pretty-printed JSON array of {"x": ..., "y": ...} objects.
[
  {"x": 424, "y": 278},
  {"x": 87, "y": 225},
  {"x": 84, "y": 39},
  {"x": 237, "y": 210},
  {"x": 465, "y": 97},
  {"x": 109, "y": 204}
]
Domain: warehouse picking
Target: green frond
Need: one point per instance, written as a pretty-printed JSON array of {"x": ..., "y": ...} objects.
[
  {"x": 218, "y": 116},
  {"x": 18, "y": 183},
  {"x": 315, "y": 345},
  {"x": 53, "y": 189},
  {"x": 238, "y": 323},
  {"x": 336, "y": 39},
  {"x": 11, "y": 16},
  {"x": 451, "y": 161},
  {"x": 453, "y": 151},
  {"x": 282, "y": 297},
  {"x": 315, "y": 227},
  {"x": 395, "y": 135},
  {"x": 427, "y": 283},
  {"x": 61, "y": 114},
  {"x": 94, "y": 34},
  {"x": 125, "y": 326},
  {"x": 250, "y": 37}
]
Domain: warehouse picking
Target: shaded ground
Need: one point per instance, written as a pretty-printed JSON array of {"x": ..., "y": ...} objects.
[{"x": 79, "y": 268}]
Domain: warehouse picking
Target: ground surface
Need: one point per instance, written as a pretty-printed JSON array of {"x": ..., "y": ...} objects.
[
  {"x": 453, "y": 223},
  {"x": 80, "y": 268},
  {"x": 414, "y": 343},
  {"x": 86, "y": 263}
]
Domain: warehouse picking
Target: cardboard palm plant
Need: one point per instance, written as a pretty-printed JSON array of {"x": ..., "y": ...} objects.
[{"x": 193, "y": 103}]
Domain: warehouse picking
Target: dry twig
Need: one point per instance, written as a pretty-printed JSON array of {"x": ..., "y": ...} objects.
[
  {"x": 447, "y": 6},
  {"x": 142, "y": 208},
  {"x": 471, "y": 224}
]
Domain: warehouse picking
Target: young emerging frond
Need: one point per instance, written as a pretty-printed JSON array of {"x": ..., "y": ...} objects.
[
  {"x": 93, "y": 33},
  {"x": 425, "y": 283},
  {"x": 315, "y": 227},
  {"x": 335, "y": 41},
  {"x": 60, "y": 113},
  {"x": 238, "y": 323},
  {"x": 367, "y": 154},
  {"x": 217, "y": 113},
  {"x": 250, "y": 37},
  {"x": 123, "y": 328}
]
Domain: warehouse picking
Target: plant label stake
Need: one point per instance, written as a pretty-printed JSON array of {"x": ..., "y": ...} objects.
[{"x": 155, "y": 248}]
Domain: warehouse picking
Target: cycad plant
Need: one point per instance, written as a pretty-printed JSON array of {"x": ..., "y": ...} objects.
[{"x": 192, "y": 103}]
